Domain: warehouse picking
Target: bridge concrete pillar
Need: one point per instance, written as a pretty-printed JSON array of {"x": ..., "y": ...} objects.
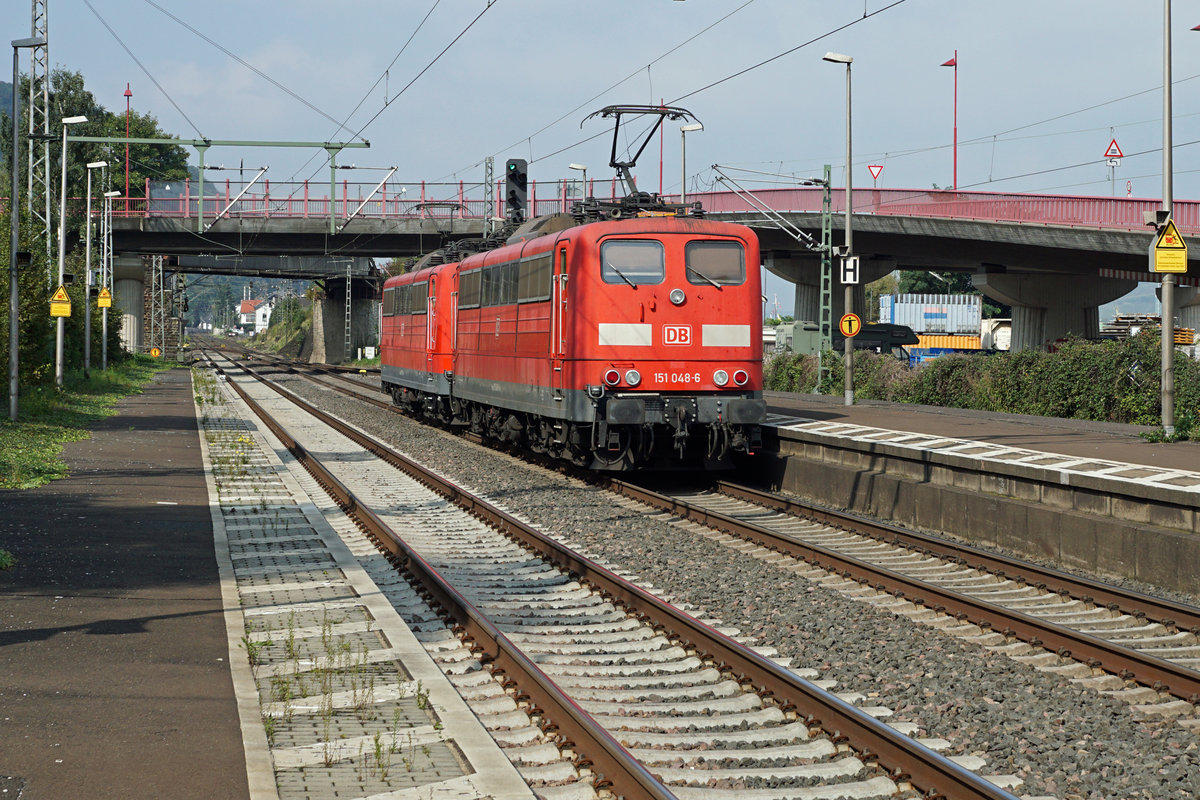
[
  {"x": 804, "y": 270},
  {"x": 1187, "y": 306},
  {"x": 329, "y": 321},
  {"x": 1050, "y": 307},
  {"x": 129, "y": 297}
]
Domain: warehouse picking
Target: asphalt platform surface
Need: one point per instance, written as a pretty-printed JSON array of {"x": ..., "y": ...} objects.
[
  {"x": 1081, "y": 438},
  {"x": 114, "y": 674}
]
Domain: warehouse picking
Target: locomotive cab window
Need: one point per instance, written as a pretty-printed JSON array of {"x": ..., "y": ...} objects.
[
  {"x": 715, "y": 263},
  {"x": 637, "y": 262}
]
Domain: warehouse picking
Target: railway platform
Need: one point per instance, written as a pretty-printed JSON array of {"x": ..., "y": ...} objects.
[
  {"x": 184, "y": 622},
  {"x": 116, "y": 665},
  {"x": 1091, "y": 496}
]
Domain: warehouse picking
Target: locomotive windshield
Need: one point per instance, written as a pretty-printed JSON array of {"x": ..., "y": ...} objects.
[
  {"x": 632, "y": 261},
  {"x": 716, "y": 263}
]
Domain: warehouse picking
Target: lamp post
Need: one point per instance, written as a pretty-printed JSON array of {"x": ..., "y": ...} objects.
[
  {"x": 954, "y": 63},
  {"x": 106, "y": 274},
  {"x": 683, "y": 132},
  {"x": 87, "y": 261},
  {"x": 14, "y": 290},
  {"x": 583, "y": 169},
  {"x": 848, "y": 352},
  {"x": 62, "y": 250}
]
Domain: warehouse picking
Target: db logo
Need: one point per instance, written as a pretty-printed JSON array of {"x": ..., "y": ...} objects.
[{"x": 677, "y": 334}]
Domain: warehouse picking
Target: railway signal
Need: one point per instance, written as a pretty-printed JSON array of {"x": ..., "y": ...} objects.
[{"x": 516, "y": 195}]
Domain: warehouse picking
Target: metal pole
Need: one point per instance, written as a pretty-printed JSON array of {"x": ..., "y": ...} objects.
[
  {"x": 128, "y": 95},
  {"x": 14, "y": 290},
  {"x": 105, "y": 258},
  {"x": 849, "y": 341},
  {"x": 956, "y": 120},
  {"x": 1168, "y": 279},
  {"x": 87, "y": 283},
  {"x": 60, "y": 330}
]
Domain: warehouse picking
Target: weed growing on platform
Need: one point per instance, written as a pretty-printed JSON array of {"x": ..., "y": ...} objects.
[{"x": 31, "y": 449}]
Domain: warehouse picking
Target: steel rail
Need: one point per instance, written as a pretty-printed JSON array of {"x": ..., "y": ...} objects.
[
  {"x": 1081, "y": 588},
  {"x": 1159, "y": 673},
  {"x": 611, "y": 764},
  {"x": 901, "y": 755}
]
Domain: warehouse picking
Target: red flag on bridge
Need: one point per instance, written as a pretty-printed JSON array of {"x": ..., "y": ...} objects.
[{"x": 951, "y": 63}]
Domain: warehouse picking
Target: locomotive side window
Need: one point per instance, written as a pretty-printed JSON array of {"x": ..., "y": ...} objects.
[
  {"x": 715, "y": 263},
  {"x": 534, "y": 281},
  {"x": 389, "y": 302},
  {"x": 416, "y": 300},
  {"x": 633, "y": 261},
  {"x": 468, "y": 289}
]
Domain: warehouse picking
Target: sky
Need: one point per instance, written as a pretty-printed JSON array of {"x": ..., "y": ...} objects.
[{"x": 438, "y": 85}]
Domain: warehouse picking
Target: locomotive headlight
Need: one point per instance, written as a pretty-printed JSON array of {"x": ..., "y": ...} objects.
[
  {"x": 612, "y": 377},
  {"x": 740, "y": 377},
  {"x": 633, "y": 377},
  {"x": 720, "y": 377},
  {"x": 677, "y": 296}
]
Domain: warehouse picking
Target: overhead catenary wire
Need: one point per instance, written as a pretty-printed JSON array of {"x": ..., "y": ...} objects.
[
  {"x": 142, "y": 66},
  {"x": 240, "y": 60}
]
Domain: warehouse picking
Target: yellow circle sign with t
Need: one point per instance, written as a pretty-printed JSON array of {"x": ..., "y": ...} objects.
[
  {"x": 850, "y": 325},
  {"x": 155, "y": 352},
  {"x": 60, "y": 303}
]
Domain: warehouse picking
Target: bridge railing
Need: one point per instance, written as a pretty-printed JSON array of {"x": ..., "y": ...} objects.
[
  {"x": 461, "y": 200},
  {"x": 391, "y": 200}
]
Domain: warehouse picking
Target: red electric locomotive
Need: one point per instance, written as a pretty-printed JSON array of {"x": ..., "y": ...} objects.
[{"x": 623, "y": 336}]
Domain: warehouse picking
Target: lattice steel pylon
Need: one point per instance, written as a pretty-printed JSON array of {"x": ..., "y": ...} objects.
[
  {"x": 347, "y": 352},
  {"x": 158, "y": 306},
  {"x": 489, "y": 195},
  {"x": 39, "y": 194}
]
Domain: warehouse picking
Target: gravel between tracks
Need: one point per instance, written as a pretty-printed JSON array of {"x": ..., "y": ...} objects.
[{"x": 1060, "y": 739}]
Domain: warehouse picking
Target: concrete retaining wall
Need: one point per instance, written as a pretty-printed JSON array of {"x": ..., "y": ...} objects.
[{"x": 1106, "y": 530}]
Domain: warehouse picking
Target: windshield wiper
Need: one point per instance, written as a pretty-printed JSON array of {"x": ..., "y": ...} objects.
[
  {"x": 690, "y": 268},
  {"x": 621, "y": 275}
]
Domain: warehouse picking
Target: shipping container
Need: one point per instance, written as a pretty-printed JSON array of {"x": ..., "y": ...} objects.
[
  {"x": 933, "y": 313},
  {"x": 927, "y": 341}
]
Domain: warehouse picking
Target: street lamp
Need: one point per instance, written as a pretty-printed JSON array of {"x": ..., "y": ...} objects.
[
  {"x": 87, "y": 261},
  {"x": 106, "y": 274},
  {"x": 582, "y": 168},
  {"x": 62, "y": 249},
  {"x": 683, "y": 132},
  {"x": 14, "y": 290},
  {"x": 848, "y": 353}
]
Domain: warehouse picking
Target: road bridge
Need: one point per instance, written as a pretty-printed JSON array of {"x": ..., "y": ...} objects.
[{"x": 1054, "y": 258}]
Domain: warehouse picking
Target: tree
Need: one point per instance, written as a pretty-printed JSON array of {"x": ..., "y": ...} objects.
[{"x": 876, "y": 289}]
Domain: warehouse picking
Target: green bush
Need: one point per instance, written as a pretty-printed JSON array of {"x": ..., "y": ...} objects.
[{"x": 1109, "y": 381}]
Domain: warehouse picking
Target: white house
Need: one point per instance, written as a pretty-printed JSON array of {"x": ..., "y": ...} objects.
[{"x": 255, "y": 314}]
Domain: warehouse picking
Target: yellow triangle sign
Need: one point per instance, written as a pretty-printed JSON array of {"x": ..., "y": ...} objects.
[
  {"x": 104, "y": 295},
  {"x": 60, "y": 296},
  {"x": 1169, "y": 238}
]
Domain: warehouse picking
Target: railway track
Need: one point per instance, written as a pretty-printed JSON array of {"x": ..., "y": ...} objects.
[
  {"x": 687, "y": 703},
  {"x": 1099, "y": 635}
]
